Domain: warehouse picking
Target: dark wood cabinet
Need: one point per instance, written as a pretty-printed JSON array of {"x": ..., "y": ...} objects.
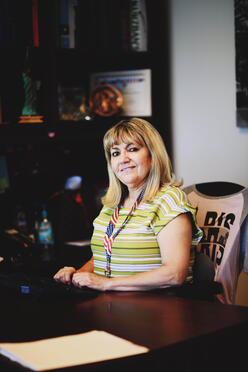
[{"x": 71, "y": 147}]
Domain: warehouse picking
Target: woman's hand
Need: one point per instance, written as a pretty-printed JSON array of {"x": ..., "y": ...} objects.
[
  {"x": 81, "y": 279},
  {"x": 64, "y": 275}
]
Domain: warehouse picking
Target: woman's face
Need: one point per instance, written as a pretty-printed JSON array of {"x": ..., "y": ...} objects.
[{"x": 131, "y": 163}]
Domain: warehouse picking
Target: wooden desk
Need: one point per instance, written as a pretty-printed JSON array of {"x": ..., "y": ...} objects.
[{"x": 182, "y": 334}]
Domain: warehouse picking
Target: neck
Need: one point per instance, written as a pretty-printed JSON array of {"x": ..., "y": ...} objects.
[{"x": 132, "y": 196}]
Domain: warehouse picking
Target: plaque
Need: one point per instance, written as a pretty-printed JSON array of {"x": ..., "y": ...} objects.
[{"x": 106, "y": 100}]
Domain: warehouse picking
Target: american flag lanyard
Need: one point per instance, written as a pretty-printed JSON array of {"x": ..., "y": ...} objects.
[{"x": 110, "y": 237}]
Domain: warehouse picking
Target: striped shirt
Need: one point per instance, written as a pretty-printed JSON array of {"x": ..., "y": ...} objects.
[{"x": 135, "y": 248}]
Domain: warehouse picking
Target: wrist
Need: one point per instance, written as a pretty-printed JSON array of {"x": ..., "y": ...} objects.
[
  {"x": 108, "y": 284},
  {"x": 70, "y": 268},
  {"x": 73, "y": 270}
]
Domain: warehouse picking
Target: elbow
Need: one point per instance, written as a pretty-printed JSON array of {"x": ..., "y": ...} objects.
[
  {"x": 174, "y": 276},
  {"x": 179, "y": 278}
]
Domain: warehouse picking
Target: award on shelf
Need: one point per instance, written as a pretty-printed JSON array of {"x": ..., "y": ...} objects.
[
  {"x": 72, "y": 105},
  {"x": 106, "y": 100},
  {"x": 31, "y": 88},
  {"x": 134, "y": 86}
]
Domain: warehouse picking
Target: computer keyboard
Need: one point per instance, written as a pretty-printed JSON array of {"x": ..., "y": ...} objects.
[{"x": 26, "y": 284}]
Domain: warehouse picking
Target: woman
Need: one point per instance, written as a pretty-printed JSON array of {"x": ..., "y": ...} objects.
[{"x": 146, "y": 232}]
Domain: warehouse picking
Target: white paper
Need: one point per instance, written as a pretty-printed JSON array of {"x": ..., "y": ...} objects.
[{"x": 67, "y": 351}]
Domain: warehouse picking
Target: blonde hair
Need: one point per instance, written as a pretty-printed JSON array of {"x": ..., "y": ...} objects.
[{"x": 142, "y": 132}]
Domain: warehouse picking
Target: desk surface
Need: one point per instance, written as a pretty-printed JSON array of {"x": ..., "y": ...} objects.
[{"x": 184, "y": 333}]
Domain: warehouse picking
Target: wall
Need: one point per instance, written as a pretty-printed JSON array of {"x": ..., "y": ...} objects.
[{"x": 207, "y": 144}]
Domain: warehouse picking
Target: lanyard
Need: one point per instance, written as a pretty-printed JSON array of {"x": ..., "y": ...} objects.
[{"x": 110, "y": 237}]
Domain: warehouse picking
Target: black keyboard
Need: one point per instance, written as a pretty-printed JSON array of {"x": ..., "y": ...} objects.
[{"x": 38, "y": 286}]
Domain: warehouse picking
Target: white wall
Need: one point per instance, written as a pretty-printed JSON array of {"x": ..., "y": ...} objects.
[{"x": 207, "y": 144}]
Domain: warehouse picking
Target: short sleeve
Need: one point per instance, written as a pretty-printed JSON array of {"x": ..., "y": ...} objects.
[{"x": 170, "y": 203}]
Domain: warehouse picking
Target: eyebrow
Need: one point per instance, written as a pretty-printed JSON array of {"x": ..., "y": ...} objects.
[{"x": 116, "y": 147}]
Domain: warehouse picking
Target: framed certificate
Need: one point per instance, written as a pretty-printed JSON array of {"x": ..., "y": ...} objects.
[{"x": 135, "y": 86}]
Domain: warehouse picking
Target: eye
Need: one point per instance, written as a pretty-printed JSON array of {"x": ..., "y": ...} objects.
[
  {"x": 114, "y": 154},
  {"x": 133, "y": 149}
]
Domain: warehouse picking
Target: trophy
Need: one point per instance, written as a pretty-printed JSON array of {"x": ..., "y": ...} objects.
[{"x": 31, "y": 87}]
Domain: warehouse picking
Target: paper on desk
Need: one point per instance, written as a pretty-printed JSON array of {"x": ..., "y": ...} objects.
[{"x": 68, "y": 351}]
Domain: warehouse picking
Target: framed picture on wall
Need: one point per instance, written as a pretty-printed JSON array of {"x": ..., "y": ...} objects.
[{"x": 241, "y": 42}]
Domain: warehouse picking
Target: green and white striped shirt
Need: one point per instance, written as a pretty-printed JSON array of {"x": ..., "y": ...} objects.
[{"x": 135, "y": 249}]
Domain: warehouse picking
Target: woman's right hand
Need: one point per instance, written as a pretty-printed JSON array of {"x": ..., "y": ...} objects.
[{"x": 64, "y": 275}]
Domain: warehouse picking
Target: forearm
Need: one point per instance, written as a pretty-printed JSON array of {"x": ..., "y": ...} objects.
[
  {"x": 161, "y": 277},
  {"x": 87, "y": 267}
]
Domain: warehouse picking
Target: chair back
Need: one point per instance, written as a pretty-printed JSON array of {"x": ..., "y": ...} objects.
[{"x": 222, "y": 214}]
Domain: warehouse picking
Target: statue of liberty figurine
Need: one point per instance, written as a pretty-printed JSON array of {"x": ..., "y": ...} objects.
[{"x": 29, "y": 110}]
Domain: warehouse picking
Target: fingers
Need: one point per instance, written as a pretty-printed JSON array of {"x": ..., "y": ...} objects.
[
  {"x": 64, "y": 275},
  {"x": 81, "y": 279}
]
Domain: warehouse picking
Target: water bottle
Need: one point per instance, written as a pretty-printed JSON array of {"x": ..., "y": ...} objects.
[{"x": 45, "y": 237}]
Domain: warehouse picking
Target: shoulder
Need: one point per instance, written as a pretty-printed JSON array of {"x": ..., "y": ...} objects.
[
  {"x": 171, "y": 195},
  {"x": 170, "y": 201}
]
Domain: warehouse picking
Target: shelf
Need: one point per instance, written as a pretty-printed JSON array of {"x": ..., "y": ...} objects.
[
  {"x": 23, "y": 133},
  {"x": 82, "y": 131},
  {"x": 64, "y": 131},
  {"x": 100, "y": 62},
  {"x": 52, "y": 66}
]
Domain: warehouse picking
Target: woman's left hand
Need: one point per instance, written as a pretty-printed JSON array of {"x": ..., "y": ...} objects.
[{"x": 91, "y": 280}]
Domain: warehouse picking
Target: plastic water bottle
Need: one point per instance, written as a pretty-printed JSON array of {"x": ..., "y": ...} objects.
[{"x": 45, "y": 237}]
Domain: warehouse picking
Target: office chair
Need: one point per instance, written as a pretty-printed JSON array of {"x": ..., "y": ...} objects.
[{"x": 222, "y": 213}]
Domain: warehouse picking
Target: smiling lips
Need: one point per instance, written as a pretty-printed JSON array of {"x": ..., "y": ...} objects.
[{"x": 127, "y": 168}]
